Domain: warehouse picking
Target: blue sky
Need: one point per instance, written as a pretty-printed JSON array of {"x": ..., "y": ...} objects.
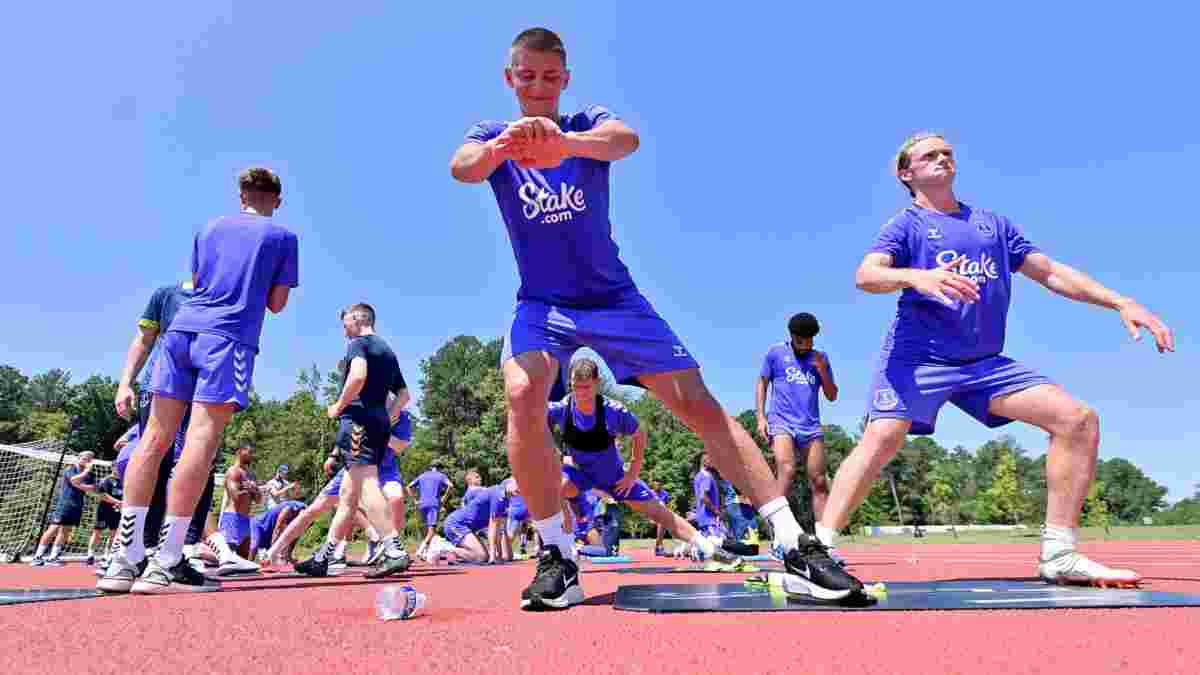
[{"x": 761, "y": 179}]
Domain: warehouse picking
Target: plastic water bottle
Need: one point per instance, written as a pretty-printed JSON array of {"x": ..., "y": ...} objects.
[{"x": 398, "y": 602}]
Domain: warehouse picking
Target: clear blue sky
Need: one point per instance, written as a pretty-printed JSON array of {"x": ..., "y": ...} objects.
[{"x": 761, "y": 178}]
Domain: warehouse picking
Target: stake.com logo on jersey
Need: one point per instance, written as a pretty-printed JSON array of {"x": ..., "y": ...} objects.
[
  {"x": 551, "y": 207},
  {"x": 978, "y": 271}
]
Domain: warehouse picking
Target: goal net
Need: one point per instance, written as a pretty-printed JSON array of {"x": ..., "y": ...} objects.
[{"x": 31, "y": 476}]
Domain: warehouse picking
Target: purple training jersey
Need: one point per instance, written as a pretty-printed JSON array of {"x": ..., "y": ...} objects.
[
  {"x": 558, "y": 224},
  {"x": 432, "y": 485},
  {"x": 704, "y": 484},
  {"x": 236, "y": 260},
  {"x": 928, "y": 331},
  {"x": 795, "y": 383},
  {"x": 488, "y": 503}
]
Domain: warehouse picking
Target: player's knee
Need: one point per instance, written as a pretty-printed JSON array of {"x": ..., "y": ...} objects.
[
  {"x": 819, "y": 483},
  {"x": 1083, "y": 424}
]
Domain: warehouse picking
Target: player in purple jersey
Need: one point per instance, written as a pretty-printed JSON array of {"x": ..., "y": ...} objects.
[
  {"x": 242, "y": 266},
  {"x": 487, "y": 508},
  {"x": 660, "y": 531},
  {"x": 794, "y": 372},
  {"x": 954, "y": 264},
  {"x": 590, "y": 425},
  {"x": 550, "y": 175},
  {"x": 432, "y": 490}
]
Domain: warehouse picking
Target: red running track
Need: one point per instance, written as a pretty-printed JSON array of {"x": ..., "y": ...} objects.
[{"x": 473, "y": 625}]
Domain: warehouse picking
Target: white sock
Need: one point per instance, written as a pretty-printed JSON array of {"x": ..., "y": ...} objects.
[
  {"x": 217, "y": 541},
  {"x": 392, "y": 548},
  {"x": 1057, "y": 540},
  {"x": 783, "y": 522},
  {"x": 340, "y": 551},
  {"x": 170, "y": 540},
  {"x": 55, "y": 551},
  {"x": 325, "y": 551},
  {"x": 91, "y": 551},
  {"x": 551, "y": 531},
  {"x": 41, "y": 551},
  {"x": 826, "y": 535},
  {"x": 132, "y": 533},
  {"x": 704, "y": 544}
]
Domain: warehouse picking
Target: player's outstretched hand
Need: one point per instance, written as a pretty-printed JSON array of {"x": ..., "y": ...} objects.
[
  {"x": 946, "y": 285},
  {"x": 1135, "y": 317}
]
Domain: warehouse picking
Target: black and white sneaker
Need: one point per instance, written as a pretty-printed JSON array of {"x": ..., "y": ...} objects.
[
  {"x": 181, "y": 578},
  {"x": 119, "y": 574},
  {"x": 809, "y": 564},
  {"x": 37, "y": 562},
  {"x": 390, "y": 564},
  {"x": 313, "y": 567},
  {"x": 556, "y": 584}
]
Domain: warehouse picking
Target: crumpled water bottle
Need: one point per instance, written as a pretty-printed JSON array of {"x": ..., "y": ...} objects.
[{"x": 398, "y": 602}]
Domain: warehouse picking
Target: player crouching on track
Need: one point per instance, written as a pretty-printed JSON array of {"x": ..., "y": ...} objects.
[{"x": 486, "y": 508}]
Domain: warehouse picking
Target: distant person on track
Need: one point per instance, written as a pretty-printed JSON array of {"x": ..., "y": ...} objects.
[
  {"x": 486, "y": 508},
  {"x": 364, "y": 432},
  {"x": 953, "y": 264},
  {"x": 591, "y": 423},
  {"x": 432, "y": 488},
  {"x": 77, "y": 480},
  {"x": 108, "y": 517},
  {"x": 796, "y": 374},
  {"x": 241, "y": 493}
]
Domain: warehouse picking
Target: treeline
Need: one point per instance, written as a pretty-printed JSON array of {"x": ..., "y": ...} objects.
[{"x": 462, "y": 421}]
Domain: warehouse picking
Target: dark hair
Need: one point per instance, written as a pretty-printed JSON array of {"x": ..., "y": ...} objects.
[
  {"x": 585, "y": 367},
  {"x": 804, "y": 325},
  {"x": 541, "y": 40},
  {"x": 259, "y": 179},
  {"x": 365, "y": 312}
]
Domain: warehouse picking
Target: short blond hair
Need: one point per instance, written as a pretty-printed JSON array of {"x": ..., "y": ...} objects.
[{"x": 903, "y": 160}]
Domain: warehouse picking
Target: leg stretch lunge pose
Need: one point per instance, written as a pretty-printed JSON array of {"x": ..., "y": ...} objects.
[
  {"x": 954, "y": 264},
  {"x": 550, "y": 176}
]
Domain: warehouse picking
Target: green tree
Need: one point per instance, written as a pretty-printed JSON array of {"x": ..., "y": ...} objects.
[
  {"x": 14, "y": 403},
  {"x": 42, "y": 424},
  {"x": 99, "y": 426},
  {"x": 1004, "y": 497},
  {"x": 50, "y": 391},
  {"x": 1095, "y": 509},
  {"x": 454, "y": 397},
  {"x": 1129, "y": 493}
]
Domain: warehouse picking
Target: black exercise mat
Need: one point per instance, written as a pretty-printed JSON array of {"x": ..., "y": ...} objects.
[
  {"x": 900, "y": 596},
  {"x": 15, "y": 596}
]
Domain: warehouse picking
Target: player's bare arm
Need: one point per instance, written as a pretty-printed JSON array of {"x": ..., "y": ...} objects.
[
  {"x": 355, "y": 381},
  {"x": 399, "y": 402},
  {"x": 760, "y": 405},
  {"x": 473, "y": 162},
  {"x": 135, "y": 357},
  {"x": 876, "y": 275},
  {"x": 1071, "y": 283},
  {"x": 277, "y": 297},
  {"x": 637, "y": 457}
]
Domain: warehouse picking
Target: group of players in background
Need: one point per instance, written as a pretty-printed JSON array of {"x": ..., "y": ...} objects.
[{"x": 952, "y": 263}]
